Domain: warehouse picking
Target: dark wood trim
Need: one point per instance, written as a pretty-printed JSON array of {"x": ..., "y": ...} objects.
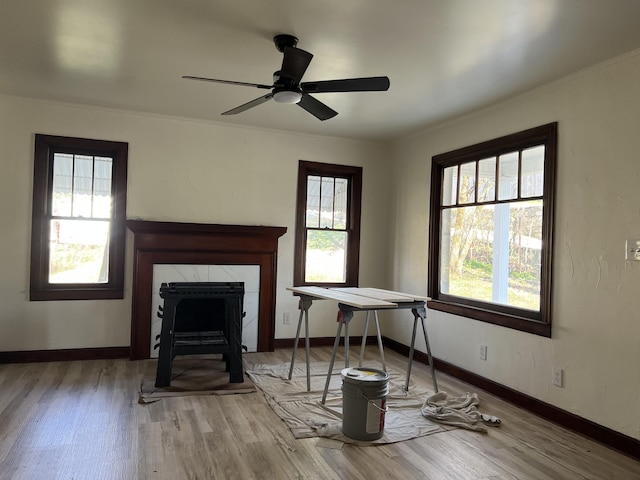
[
  {"x": 44, "y": 149},
  {"x": 203, "y": 244},
  {"x": 502, "y": 319},
  {"x": 354, "y": 207},
  {"x": 538, "y": 323},
  {"x": 64, "y": 355},
  {"x": 612, "y": 439}
]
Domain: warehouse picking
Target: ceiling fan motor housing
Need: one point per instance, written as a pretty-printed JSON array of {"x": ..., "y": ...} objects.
[{"x": 284, "y": 40}]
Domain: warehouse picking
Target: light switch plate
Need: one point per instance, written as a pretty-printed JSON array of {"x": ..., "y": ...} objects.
[{"x": 633, "y": 249}]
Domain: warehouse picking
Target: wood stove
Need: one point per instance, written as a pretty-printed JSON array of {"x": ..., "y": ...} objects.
[{"x": 201, "y": 318}]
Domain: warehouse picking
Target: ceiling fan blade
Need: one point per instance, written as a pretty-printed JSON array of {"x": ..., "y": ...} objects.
[
  {"x": 368, "y": 84},
  {"x": 230, "y": 82},
  {"x": 295, "y": 63},
  {"x": 248, "y": 105},
  {"x": 316, "y": 107}
]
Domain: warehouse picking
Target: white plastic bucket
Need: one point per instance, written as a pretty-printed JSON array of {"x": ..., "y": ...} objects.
[{"x": 364, "y": 402}]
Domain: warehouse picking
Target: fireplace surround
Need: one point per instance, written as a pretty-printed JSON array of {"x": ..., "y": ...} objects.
[{"x": 205, "y": 244}]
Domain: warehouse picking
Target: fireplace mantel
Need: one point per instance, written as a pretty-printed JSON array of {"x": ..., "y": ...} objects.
[{"x": 203, "y": 244}]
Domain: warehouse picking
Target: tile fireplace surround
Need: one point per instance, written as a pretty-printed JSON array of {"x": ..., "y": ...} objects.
[
  {"x": 169, "y": 243},
  {"x": 249, "y": 275}
]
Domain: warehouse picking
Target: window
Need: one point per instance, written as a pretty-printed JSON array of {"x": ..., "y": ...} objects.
[
  {"x": 78, "y": 220},
  {"x": 490, "y": 235},
  {"x": 327, "y": 248}
]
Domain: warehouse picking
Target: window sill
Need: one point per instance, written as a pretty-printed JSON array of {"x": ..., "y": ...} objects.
[
  {"x": 505, "y": 320},
  {"x": 76, "y": 294}
]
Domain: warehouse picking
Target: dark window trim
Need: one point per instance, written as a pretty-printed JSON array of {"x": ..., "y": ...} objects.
[
  {"x": 538, "y": 323},
  {"x": 354, "y": 175},
  {"x": 40, "y": 288}
]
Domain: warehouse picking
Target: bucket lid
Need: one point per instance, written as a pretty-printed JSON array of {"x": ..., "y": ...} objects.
[{"x": 364, "y": 374}]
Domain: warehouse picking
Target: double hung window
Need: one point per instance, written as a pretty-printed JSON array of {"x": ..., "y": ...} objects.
[
  {"x": 78, "y": 220},
  {"x": 327, "y": 224},
  {"x": 491, "y": 230}
]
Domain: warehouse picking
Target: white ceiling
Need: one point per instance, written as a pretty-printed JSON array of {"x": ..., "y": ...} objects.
[{"x": 444, "y": 58}]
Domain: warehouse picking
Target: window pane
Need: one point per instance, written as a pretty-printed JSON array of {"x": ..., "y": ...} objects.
[
  {"x": 532, "y": 181},
  {"x": 340, "y": 204},
  {"x": 487, "y": 180},
  {"x": 449, "y": 218},
  {"x": 467, "y": 191},
  {"x": 82, "y": 186},
  {"x": 449, "y": 186},
  {"x": 326, "y": 256},
  {"x": 466, "y": 272},
  {"x": 79, "y": 251},
  {"x": 525, "y": 246},
  {"x": 326, "y": 203},
  {"x": 313, "y": 202},
  {"x": 508, "y": 171},
  {"x": 102, "y": 187},
  {"x": 492, "y": 253},
  {"x": 62, "y": 184}
]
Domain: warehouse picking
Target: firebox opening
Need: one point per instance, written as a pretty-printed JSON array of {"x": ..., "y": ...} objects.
[{"x": 201, "y": 314}]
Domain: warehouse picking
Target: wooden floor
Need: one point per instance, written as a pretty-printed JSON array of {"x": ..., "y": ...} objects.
[{"x": 81, "y": 420}]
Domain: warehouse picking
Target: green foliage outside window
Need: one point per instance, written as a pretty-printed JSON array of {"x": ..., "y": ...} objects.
[{"x": 325, "y": 240}]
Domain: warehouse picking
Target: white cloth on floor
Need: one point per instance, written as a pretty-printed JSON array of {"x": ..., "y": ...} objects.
[{"x": 459, "y": 411}]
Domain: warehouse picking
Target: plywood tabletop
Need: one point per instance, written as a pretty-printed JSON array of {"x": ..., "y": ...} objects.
[
  {"x": 386, "y": 295},
  {"x": 365, "y": 298},
  {"x": 347, "y": 298}
]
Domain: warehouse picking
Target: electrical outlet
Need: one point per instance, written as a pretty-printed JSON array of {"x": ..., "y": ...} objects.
[
  {"x": 557, "y": 377},
  {"x": 483, "y": 352},
  {"x": 286, "y": 318}
]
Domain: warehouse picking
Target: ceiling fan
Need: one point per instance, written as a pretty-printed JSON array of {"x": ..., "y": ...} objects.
[{"x": 287, "y": 87}]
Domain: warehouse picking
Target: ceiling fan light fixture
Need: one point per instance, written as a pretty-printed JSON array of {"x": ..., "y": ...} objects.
[{"x": 287, "y": 96}]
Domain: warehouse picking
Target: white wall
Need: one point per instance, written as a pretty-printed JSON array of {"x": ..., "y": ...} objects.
[
  {"x": 596, "y": 292},
  {"x": 179, "y": 170}
]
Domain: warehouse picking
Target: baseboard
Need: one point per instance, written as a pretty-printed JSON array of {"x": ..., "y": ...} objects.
[
  {"x": 64, "y": 355},
  {"x": 612, "y": 439}
]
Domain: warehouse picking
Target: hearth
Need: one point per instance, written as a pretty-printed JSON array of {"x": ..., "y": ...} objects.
[{"x": 201, "y": 318}]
